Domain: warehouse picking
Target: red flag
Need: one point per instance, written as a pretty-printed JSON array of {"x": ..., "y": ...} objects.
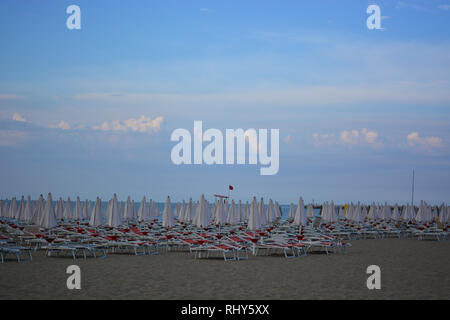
[{"x": 230, "y": 187}]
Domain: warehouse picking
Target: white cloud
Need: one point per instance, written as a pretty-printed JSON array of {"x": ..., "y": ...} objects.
[
  {"x": 370, "y": 136},
  {"x": 143, "y": 124},
  {"x": 414, "y": 139},
  {"x": 19, "y": 118},
  {"x": 350, "y": 137},
  {"x": 63, "y": 125},
  {"x": 323, "y": 139}
]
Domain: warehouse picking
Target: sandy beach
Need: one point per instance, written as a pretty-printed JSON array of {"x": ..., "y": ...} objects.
[{"x": 410, "y": 269}]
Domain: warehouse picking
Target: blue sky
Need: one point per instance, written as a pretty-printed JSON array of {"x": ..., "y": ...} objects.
[{"x": 357, "y": 109}]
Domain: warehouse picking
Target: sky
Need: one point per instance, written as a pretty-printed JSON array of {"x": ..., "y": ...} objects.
[{"x": 90, "y": 112}]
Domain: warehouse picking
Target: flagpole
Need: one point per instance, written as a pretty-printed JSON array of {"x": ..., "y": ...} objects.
[{"x": 412, "y": 194}]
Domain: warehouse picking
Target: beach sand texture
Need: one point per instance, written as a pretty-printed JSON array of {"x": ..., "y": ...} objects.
[{"x": 410, "y": 269}]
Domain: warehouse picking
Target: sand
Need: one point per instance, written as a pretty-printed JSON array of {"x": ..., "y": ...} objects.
[{"x": 410, "y": 269}]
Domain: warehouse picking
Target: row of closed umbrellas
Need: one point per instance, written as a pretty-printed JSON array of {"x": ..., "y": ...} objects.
[{"x": 202, "y": 214}]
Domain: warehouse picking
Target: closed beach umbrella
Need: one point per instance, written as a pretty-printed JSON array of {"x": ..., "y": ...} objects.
[
  {"x": 182, "y": 212},
  {"x": 291, "y": 213},
  {"x": 128, "y": 210},
  {"x": 68, "y": 210},
  {"x": 143, "y": 211},
  {"x": 246, "y": 210},
  {"x": 357, "y": 214},
  {"x": 4, "y": 209},
  {"x": 443, "y": 214},
  {"x": 240, "y": 212},
  {"x": 96, "y": 218},
  {"x": 254, "y": 217},
  {"x": 372, "y": 212},
  {"x": 310, "y": 211},
  {"x": 219, "y": 214},
  {"x": 262, "y": 213},
  {"x": 271, "y": 216},
  {"x": 300, "y": 214},
  {"x": 78, "y": 212},
  {"x": 155, "y": 210},
  {"x": 167, "y": 218},
  {"x": 114, "y": 219},
  {"x": 189, "y": 212},
  {"x": 202, "y": 217},
  {"x": 21, "y": 210},
  {"x": 232, "y": 217},
  {"x": 12, "y": 208},
  {"x": 59, "y": 211},
  {"x": 38, "y": 210},
  {"x": 48, "y": 218},
  {"x": 421, "y": 214}
]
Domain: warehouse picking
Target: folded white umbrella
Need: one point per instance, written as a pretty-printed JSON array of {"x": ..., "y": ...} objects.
[
  {"x": 202, "y": 217},
  {"x": 246, "y": 210},
  {"x": 254, "y": 217},
  {"x": 357, "y": 214},
  {"x": 300, "y": 214},
  {"x": 278, "y": 212},
  {"x": 240, "y": 212},
  {"x": 167, "y": 218},
  {"x": 143, "y": 210},
  {"x": 77, "y": 212},
  {"x": 443, "y": 214},
  {"x": 349, "y": 212},
  {"x": 28, "y": 215},
  {"x": 189, "y": 212},
  {"x": 333, "y": 215},
  {"x": 262, "y": 212},
  {"x": 176, "y": 211},
  {"x": 342, "y": 212},
  {"x": 232, "y": 217},
  {"x": 128, "y": 210},
  {"x": 271, "y": 215},
  {"x": 421, "y": 214},
  {"x": 154, "y": 212},
  {"x": 68, "y": 210},
  {"x": 364, "y": 212},
  {"x": 113, "y": 215},
  {"x": 291, "y": 213},
  {"x": 372, "y": 212},
  {"x": 48, "y": 218},
  {"x": 12, "y": 208},
  {"x": 309, "y": 211},
  {"x": 4, "y": 209},
  {"x": 219, "y": 215},
  {"x": 38, "y": 210},
  {"x": 20, "y": 215},
  {"x": 324, "y": 212},
  {"x": 182, "y": 212},
  {"x": 87, "y": 209},
  {"x": 59, "y": 211},
  {"x": 96, "y": 218}
]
